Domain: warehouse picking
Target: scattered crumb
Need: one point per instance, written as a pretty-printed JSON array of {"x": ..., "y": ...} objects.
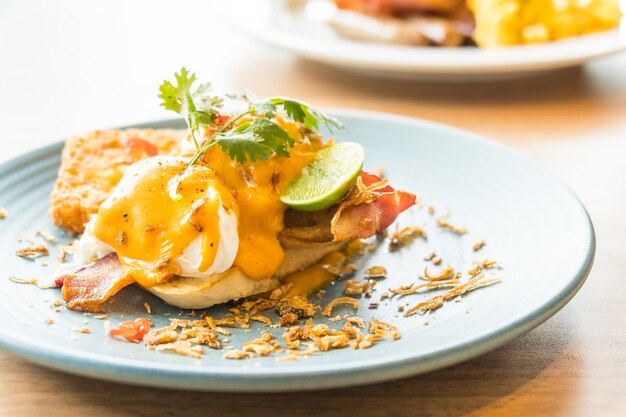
[
  {"x": 102, "y": 317},
  {"x": 383, "y": 330},
  {"x": 32, "y": 252},
  {"x": 3, "y": 213},
  {"x": 341, "y": 300},
  {"x": 57, "y": 302},
  {"x": 414, "y": 288},
  {"x": 320, "y": 294},
  {"x": 436, "y": 260},
  {"x": 49, "y": 321},
  {"x": 374, "y": 272},
  {"x": 436, "y": 302},
  {"x": 358, "y": 321},
  {"x": 84, "y": 330},
  {"x": 479, "y": 245},
  {"x": 287, "y": 358},
  {"x": 184, "y": 348},
  {"x": 445, "y": 224},
  {"x": 405, "y": 237},
  {"x": 431, "y": 210},
  {"x": 373, "y": 306},
  {"x": 237, "y": 354},
  {"x": 148, "y": 308},
  {"x": 263, "y": 319},
  {"x": 445, "y": 273},
  {"x": 71, "y": 247},
  {"x": 356, "y": 287},
  {"x": 480, "y": 266},
  {"x": 430, "y": 256},
  {"x": 46, "y": 236},
  {"x": 342, "y": 272},
  {"x": 24, "y": 280}
]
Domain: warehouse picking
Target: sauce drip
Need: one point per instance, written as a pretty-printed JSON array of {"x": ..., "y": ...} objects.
[{"x": 256, "y": 187}]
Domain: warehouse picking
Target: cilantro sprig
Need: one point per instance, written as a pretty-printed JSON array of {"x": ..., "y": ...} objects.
[
  {"x": 253, "y": 140},
  {"x": 198, "y": 107}
]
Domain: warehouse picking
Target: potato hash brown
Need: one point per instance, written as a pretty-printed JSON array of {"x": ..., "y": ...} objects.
[{"x": 92, "y": 164}]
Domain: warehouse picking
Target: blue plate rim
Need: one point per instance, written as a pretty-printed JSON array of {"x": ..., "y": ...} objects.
[{"x": 207, "y": 377}]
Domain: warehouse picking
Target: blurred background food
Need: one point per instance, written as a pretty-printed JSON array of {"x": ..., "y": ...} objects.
[{"x": 486, "y": 23}]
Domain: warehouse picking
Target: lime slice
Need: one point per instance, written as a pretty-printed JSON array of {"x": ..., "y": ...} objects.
[{"x": 326, "y": 179}]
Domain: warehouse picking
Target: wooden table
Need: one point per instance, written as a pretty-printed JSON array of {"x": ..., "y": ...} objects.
[{"x": 74, "y": 66}]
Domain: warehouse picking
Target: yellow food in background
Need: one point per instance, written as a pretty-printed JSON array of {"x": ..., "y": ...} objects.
[{"x": 514, "y": 22}]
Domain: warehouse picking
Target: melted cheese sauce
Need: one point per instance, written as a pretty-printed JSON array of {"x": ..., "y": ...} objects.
[
  {"x": 149, "y": 230},
  {"x": 315, "y": 277},
  {"x": 256, "y": 187}
]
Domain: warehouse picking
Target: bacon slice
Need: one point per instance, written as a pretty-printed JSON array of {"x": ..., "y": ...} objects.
[
  {"x": 366, "y": 219},
  {"x": 88, "y": 287},
  {"x": 367, "y": 210}
]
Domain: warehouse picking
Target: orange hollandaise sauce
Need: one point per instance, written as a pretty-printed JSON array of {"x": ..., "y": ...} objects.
[
  {"x": 256, "y": 187},
  {"x": 311, "y": 279},
  {"x": 149, "y": 230}
]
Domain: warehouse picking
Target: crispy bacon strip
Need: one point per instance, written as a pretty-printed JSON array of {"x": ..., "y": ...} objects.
[
  {"x": 90, "y": 286},
  {"x": 366, "y": 217}
]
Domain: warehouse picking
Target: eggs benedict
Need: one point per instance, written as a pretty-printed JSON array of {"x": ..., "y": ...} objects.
[{"x": 205, "y": 228}]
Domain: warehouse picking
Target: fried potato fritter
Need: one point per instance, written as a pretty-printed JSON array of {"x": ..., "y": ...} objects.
[{"x": 92, "y": 164}]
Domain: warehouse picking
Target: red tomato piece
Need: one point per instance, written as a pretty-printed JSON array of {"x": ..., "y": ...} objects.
[{"x": 133, "y": 331}]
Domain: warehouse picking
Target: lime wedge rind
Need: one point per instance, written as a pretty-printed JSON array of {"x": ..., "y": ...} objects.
[{"x": 326, "y": 179}]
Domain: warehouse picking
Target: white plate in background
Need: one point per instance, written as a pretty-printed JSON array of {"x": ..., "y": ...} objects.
[{"x": 286, "y": 24}]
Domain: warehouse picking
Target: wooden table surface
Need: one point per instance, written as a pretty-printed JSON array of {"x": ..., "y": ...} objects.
[{"x": 74, "y": 66}]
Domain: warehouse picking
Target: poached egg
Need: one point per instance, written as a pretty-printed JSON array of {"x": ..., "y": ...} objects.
[{"x": 157, "y": 237}]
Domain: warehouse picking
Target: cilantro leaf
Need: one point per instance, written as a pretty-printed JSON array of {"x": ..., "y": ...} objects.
[
  {"x": 198, "y": 106},
  {"x": 253, "y": 140},
  {"x": 174, "y": 96},
  {"x": 258, "y": 139},
  {"x": 298, "y": 111}
]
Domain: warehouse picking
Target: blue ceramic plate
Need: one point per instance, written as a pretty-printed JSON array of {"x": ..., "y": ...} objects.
[{"x": 534, "y": 227}]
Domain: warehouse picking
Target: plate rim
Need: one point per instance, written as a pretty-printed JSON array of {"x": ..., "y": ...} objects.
[
  {"x": 432, "y": 61},
  {"x": 247, "y": 379}
]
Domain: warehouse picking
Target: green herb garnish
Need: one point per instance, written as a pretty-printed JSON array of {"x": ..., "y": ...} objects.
[{"x": 258, "y": 139}]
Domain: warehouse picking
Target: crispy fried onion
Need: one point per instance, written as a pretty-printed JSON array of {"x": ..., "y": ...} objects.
[
  {"x": 480, "y": 266},
  {"x": 325, "y": 339},
  {"x": 445, "y": 224},
  {"x": 356, "y": 287},
  {"x": 376, "y": 272},
  {"x": 262, "y": 346},
  {"x": 436, "y": 302},
  {"x": 445, "y": 273},
  {"x": 341, "y": 300},
  {"x": 413, "y": 288},
  {"x": 382, "y": 330},
  {"x": 405, "y": 236}
]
